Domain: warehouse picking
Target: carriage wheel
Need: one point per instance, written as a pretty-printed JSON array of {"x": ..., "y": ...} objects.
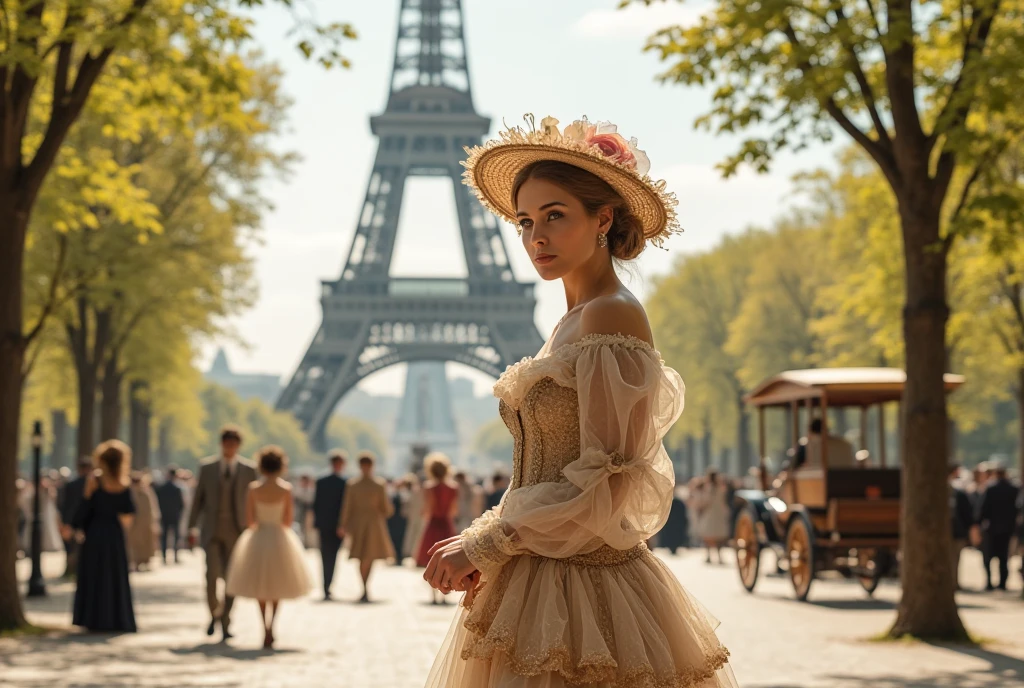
[
  {"x": 800, "y": 546},
  {"x": 867, "y": 564},
  {"x": 748, "y": 549},
  {"x": 877, "y": 563}
]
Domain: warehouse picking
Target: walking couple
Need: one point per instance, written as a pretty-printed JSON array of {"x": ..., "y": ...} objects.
[{"x": 245, "y": 526}]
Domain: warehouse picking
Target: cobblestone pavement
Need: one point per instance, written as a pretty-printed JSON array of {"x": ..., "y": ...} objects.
[{"x": 776, "y": 642}]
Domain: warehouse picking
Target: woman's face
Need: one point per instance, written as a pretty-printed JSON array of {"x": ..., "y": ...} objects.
[{"x": 558, "y": 233}]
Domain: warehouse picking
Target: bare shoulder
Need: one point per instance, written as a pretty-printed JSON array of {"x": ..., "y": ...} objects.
[
  {"x": 618, "y": 313},
  {"x": 283, "y": 484}
]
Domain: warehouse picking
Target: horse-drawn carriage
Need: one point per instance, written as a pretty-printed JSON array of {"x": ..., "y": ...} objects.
[{"x": 818, "y": 517}]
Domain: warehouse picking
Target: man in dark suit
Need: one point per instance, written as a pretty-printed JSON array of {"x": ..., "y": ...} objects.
[
  {"x": 327, "y": 502},
  {"x": 499, "y": 484},
  {"x": 172, "y": 503},
  {"x": 70, "y": 500},
  {"x": 997, "y": 516}
]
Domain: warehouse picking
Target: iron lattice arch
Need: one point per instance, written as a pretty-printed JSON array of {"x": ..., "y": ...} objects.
[
  {"x": 391, "y": 343},
  {"x": 331, "y": 368}
]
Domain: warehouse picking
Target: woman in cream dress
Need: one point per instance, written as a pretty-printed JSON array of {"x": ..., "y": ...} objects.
[
  {"x": 562, "y": 590},
  {"x": 268, "y": 563},
  {"x": 364, "y": 518},
  {"x": 145, "y": 526}
]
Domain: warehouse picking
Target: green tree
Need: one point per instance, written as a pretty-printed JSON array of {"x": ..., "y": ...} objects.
[
  {"x": 354, "y": 435},
  {"x": 912, "y": 83},
  {"x": 52, "y": 53},
  {"x": 860, "y": 308},
  {"x": 989, "y": 275},
  {"x": 692, "y": 309},
  {"x": 260, "y": 424},
  {"x": 771, "y": 331}
]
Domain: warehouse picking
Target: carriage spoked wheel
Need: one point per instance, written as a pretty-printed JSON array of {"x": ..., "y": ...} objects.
[
  {"x": 748, "y": 549},
  {"x": 800, "y": 548},
  {"x": 873, "y": 565}
]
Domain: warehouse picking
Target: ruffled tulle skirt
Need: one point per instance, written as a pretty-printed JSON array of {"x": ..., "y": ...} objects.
[
  {"x": 268, "y": 563},
  {"x": 610, "y": 619}
]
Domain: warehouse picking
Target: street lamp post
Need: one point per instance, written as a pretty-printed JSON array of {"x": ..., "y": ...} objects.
[{"x": 36, "y": 584}]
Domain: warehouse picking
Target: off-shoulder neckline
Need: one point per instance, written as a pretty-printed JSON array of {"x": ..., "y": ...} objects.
[{"x": 627, "y": 340}]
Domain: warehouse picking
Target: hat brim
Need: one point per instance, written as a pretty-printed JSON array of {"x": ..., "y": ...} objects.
[{"x": 495, "y": 169}]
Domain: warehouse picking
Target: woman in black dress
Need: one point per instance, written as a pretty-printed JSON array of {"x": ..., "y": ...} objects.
[{"x": 103, "y": 598}]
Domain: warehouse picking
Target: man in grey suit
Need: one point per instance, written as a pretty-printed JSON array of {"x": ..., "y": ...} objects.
[{"x": 218, "y": 508}]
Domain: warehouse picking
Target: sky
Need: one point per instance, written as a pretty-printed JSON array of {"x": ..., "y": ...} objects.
[{"x": 566, "y": 59}]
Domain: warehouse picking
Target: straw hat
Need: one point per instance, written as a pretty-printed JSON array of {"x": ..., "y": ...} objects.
[{"x": 596, "y": 148}]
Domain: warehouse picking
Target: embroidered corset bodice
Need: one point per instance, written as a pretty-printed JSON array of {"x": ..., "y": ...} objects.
[{"x": 546, "y": 432}]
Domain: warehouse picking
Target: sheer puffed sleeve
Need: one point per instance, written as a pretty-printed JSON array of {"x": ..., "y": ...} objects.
[{"x": 619, "y": 491}]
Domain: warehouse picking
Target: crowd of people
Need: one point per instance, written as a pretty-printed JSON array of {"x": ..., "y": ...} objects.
[
  {"x": 987, "y": 512},
  {"x": 253, "y": 525}
]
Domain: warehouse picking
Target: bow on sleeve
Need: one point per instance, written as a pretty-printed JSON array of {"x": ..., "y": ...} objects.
[{"x": 619, "y": 491}]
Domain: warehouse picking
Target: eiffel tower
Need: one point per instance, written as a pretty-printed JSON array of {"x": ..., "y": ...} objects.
[{"x": 371, "y": 320}]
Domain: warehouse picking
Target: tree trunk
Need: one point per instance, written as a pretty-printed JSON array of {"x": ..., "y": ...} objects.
[
  {"x": 1020, "y": 422},
  {"x": 927, "y": 608},
  {"x": 13, "y": 223},
  {"x": 743, "y": 461},
  {"x": 59, "y": 456},
  {"x": 147, "y": 439},
  {"x": 706, "y": 445},
  {"x": 86, "y": 440},
  {"x": 110, "y": 407},
  {"x": 691, "y": 456},
  {"x": 88, "y": 354},
  {"x": 139, "y": 425},
  {"x": 164, "y": 443}
]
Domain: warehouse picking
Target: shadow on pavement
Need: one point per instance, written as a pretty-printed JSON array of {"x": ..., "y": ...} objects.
[
  {"x": 229, "y": 652},
  {"x": 1003, "y": 672}
]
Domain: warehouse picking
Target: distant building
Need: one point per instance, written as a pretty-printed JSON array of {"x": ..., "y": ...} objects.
[{"x": 246, "y": 385}]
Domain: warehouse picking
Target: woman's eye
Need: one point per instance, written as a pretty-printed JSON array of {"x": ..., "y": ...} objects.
[
  {"x": 554, "y": 215},
  {"x": 525, "y": 224}
]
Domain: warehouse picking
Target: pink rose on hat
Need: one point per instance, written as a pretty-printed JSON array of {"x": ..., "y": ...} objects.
[{"x": 613, "y": 146}]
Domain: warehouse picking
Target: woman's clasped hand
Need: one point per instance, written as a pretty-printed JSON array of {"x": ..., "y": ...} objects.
[{"x": 450, "y": 569}]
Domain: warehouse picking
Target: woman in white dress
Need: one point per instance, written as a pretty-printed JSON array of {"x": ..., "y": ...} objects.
[
  {"x": 714, "y": 517},
  {"x": 268, "y": 564},
  {"x": 49, "y": 517},
  {"x": 562, "y": 589}
]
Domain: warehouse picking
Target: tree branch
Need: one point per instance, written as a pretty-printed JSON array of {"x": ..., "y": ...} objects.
[
  {"x": 958, "y": 105},
  {"x": 65, "y": 48},
  {"x": 51, "y": 299},
  {"x": 874, "y": 18},
  {"x": 990, "y": 156},
  {"x": 873, "y": 148},
  {"x": 18, "y": 99},
  {"x": 899, "y": 77},
  {"x": 862, "y": 79},
  {"x": 63, "y": 115},
  {"x": 1013, "y": 295}
]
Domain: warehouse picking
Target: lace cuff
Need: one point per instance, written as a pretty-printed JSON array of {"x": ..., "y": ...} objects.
[{"x": 487, "y": 545}]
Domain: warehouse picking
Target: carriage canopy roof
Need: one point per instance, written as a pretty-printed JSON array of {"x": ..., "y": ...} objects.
[{"x": 842, "y": 386}]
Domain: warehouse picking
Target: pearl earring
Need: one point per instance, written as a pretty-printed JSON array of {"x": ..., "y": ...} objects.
[{"x": 602, "y": 240}]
